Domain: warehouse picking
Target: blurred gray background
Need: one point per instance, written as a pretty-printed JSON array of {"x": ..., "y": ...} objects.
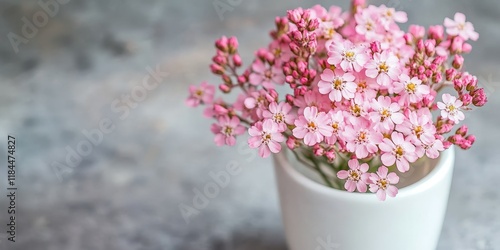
[{"x": 126, "y": 193}]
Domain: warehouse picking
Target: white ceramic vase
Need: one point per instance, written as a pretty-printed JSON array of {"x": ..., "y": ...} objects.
[{"x": 317, "y": 217}]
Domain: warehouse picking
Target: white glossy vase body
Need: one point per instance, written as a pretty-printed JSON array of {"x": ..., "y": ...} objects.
[{"x": 317, "y": 217}]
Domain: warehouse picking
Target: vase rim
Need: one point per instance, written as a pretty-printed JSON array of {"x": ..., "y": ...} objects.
[{"x": 443, "y": 165}]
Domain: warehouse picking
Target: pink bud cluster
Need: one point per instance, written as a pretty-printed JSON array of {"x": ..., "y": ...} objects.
[{"x": 360, "y": 90}]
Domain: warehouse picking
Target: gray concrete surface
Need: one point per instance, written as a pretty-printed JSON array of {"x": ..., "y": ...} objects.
[{"x": 125, "y": 194}]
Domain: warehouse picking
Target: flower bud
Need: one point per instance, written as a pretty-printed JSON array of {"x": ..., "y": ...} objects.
[
  {"x": 458, "y": 84},
  {"x": 294, "y": 48},
  {"x": 451, "y": 73},
  {"x": 458, "y": 62},
  {"x": 428, "y": 100},
  {"x": 242, "y": 79},
  {"x": 462, "y": 130},
  {"x": 471, "y": 139},
  {"x": 457, "y": 45},
  {"x": 430, "y": 47},
  {"x": 375, "y": 47},
  {"x": 216, "y": 69},
  {"x": 408, "y": 38},
  {"x": 227, "y": 80},
  {"x": 222, "y": 44},
  {"x": 272, "y": 95},
  {"x": 438, "y": 77},
  {"x": 466, "y": 48},
  {"x": 220, "y": 60},
  {"x": 436, "y": 32},
  {"x": 358, "y": 3},
  {"x": 313, "y": 25},
  {"x": 295, "y": 15},
  {"x": 331, "y": 155},
  {"x": 417, "y": 31},
  {"x": 237, "y": 60},
  {"x": 232, "y": 45},
  {"x": 420, "y": 45},
  {"x": 466, "y": 99},
  {"x": 292, "y": 143},
  {"x": 224, "y": 88},
  {"x": 318, "y": 150},
  {"x": 479, "y": 97}
]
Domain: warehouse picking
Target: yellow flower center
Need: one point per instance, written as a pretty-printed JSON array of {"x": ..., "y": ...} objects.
[
  {"x": 382, "y": 184},
  {"x": 277, "y": 52},
  {"x": 279, "y": 117},
  {"x": 329, "y": 33},
  {"x": 362, "y": 137},
  {"x": 312, "y": 126},
  {"x": 384, "y": 113},
  {"x": 337, "y": 84},
  {"x": 266, "y": 137},
  {"x": 418, "y": 130},
  {"x": 369, "y": 26},
  {"x": 228, "y": 130},
  {"x": 350, "y": 55},
  {"x": 268, "y": 74},
  {"x": 461, "y": 26},
  {"x": 383, "y": 68},
  {"x": 354, "y": 175},
  {"x": 335, "y": 126},
  {"x": 411, "y": 87},
  {"x": 399, "y": 152},
  {"x": 356, "y": 110}
]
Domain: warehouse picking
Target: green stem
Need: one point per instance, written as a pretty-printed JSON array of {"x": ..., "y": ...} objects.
[
  {"x": 318, "y": 168},
  {"x": 307, "y": 164}
]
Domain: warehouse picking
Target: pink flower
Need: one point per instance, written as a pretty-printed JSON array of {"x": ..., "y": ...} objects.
[
  {"x": 312, "y": 126},
  {"x": 337, "y": 123},
  {"x": 450, "y": 108},
  {"x": 383, "y": 183},
  {"x": 203, "y": 94},
  {"x": 383, "y": 67},
  {"x": 459, "y": 27},
  {"x": 337, "y": 85},
  {"x": 359, "y": 106},
  {"x": 312, "y": 99},
  {"x": 398, "y": 150},
  {"x": 385, "y": 114},
  {"x": 411, "y": 90},
  {"x": 418, "y": 126},
  {"x": 266, "y": 76},
  {"x": 431, "y": 148},
  {"x": 226, "y": 130},
  {"x": 366, "y": 25},
  {"x": 280, "y": 114},
  {"x": 360, "y": 139},
  {"x": 356, "y": 176},
  {"x": 389, "y": 16},
  {"x": 265, "y": 136},
  {"x": 349, "y": 56}
]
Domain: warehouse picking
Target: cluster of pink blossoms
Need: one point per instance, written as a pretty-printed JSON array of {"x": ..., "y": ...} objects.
[{"x": 360, "y": 88}]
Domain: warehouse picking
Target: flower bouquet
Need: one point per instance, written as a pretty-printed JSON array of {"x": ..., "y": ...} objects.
[{"x": 360, "y": 95}]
